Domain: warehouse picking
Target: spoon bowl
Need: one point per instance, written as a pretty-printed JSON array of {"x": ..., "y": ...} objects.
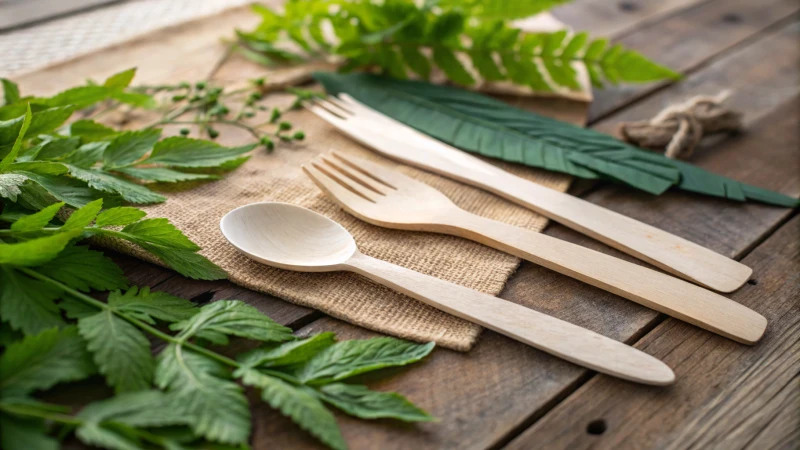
[{"x": 288, "y": 236}]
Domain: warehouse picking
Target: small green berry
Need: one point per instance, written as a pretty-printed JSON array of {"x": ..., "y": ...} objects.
[
  {"x": 212, "y": 133},
  {"x": 283, "y": 126},
  {"x": 259, "y": 81},
  {"x": 299, "y": 136},
  {"x": 249, "y": 114},
  {"x": 200, "y": 85},
  {"x": 276, "y": 114},
  {"x": 185, "y": 131},
  {"x": 177, "y": 98},
  {"x": 184, "y": 85}
]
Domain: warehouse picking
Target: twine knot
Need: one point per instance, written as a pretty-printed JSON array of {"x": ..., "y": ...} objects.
[{"x": 679, "y": 128}]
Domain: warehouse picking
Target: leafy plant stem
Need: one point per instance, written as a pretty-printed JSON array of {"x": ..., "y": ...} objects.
[{"x": 149, "y": 329}]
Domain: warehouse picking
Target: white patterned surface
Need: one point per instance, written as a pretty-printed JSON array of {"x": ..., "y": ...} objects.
[{"x": 30, "y": 48}]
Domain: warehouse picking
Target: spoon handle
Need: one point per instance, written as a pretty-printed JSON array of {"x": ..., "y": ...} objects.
[
  {"x": 554, "y": 336},
  {"x": 642, "y": 285}
]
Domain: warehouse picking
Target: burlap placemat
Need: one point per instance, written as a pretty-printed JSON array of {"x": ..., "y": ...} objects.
[{"x": 278, "y": 177}]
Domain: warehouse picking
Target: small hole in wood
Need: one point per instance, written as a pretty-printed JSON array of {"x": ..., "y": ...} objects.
[
  {"x": 628, "y": 6},
  {"x": 596, "y": 427},
  {"x": 731, "y": 18},
  {"x": 203, "y": 298},
  {"x": 752, "y": 282}
]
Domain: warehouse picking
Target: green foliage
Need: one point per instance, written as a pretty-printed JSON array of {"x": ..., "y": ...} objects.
[
  {"x": 401, "y": 36},
  {"x": 479, "y": 124},
  {"x": 361, "y": 402}
]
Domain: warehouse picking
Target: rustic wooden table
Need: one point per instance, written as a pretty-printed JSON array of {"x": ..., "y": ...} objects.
[{"x": 505, "y": 394}]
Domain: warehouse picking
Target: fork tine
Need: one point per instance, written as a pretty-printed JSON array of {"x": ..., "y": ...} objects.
[
  {"x": 333, "y": 107},
  {"x": 325, "y": 115},
  {"x": 341, "y": 104},
  {"x": 333, "y": 188},
  {"x": 378, "y": 172},
  {"x": 358, "y": 107},
  {"x": 344, "y": 180},
  {"x": 357, "y": 176}
]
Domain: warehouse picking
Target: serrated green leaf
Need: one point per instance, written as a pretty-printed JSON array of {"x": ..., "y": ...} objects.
[
  {"x": 287, "y": 353},
  {"x": 77, "y": 97},
  {"x": 136, "y": 99},
  {"x": 87, "y": 155},
  {"x": 117, "y": 437},
  {"x": 27, "y": 304},
  {"x": 25, "y": 434},
  {"x": 105, "y": 182},
  {"x": 56, "y": 149},
  {"x": 121, "y": 215},
  {"x": 129, "y": 147},
  {"x": 349, "y": 358},
  {"x": 484, "y": 63},
  {"x": 41, "y": 122},
  {"x": 37, "y": 220},
  {"x": 164, "y": 175},
  {"x": 298, "y": 404},
  {"x": 479, "y": 124},
  {"x": 187, "y": 262},
  {"x": 576, "y": 43},
  {"x": 416, "y": 61},
  {"x": 201, "y": 387},
  {"x": 120, "y": 80},
  {"x": 186, "y": 152},
  {"x": 10, "y": 91},
  {"x": 41, "y": 190},
  {"x": 446, "y": 60},
  {"x": 553, "y": 41},
  {"x": 160, "y": 232},
  {"x": 120, "y": 351},
  {"x": 39, "y": 167},
  {"x": 91, "y": 131},
  {"x": 8, "y": 334},
  {"x": 12, "y": 155},
  {"x": 223, "y": 318},
  {"x": 501, "y": 9},
  {"x": 147, "y": 306},
  {"x": 41, "y": 361},
  {"x": 84, "y": 216},
  {"x": 446, "y": 28},
  {"x": 83, "y": 269},
  {"x": 361, "y": 402},
  {"x": 9, "y": 185},
  {"x": 36, "y": 251}
]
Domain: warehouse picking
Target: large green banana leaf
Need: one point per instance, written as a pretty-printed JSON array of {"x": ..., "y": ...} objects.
[{"x": 480, "y": 124}]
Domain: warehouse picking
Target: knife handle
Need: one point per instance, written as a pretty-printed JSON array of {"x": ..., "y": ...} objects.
[{"x": 557, "y": 337}]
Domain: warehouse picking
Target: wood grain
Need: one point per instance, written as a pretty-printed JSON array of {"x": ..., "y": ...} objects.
[
  {"x": 730, "y": 393},
  {"x": 612, "y": 19}
]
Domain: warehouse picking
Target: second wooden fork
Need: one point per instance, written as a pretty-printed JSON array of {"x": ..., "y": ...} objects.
[{"x": 389, "y": 199}]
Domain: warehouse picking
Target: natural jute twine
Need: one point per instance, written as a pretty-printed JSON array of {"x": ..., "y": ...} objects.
[{"x": 679, "y": 128}]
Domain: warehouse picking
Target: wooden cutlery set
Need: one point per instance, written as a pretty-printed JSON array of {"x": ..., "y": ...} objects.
[{"x": 295, "y": 238}]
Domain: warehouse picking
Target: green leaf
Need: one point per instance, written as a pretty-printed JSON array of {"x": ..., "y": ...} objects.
[
  {"x": 106, "y": 182},
  {"x": 25, "y": 433},
  {"x": 361, "y": 402},
  {"x": 186, "y": 262},
  {"x": 129, "y": 147},
  {"x": 83, "y": 269},
  {"x": 120, "y": 80},
  {"x": 146, "y": 306},
  {"x": 480, "y": 124},
  {"x": 36, "y": 251},
  {"x": 501, "y": 9},
  {"x": 12, "y": 155},
  {"x": 158, "y": 231},
  {"x": 298, "y": 404},
  {"x": 41, "y": 122},
  {"x": 287, "y": 353},
  {"x": 91, "y": 131},
  {"x": 42, "y": 190},
  {"x": 224, "y": 318},
  {"x": 164, "y": 175},
  {"x": 135, "y": 99},
  {"x": 41, "y": 361},
  {"x": 27, "y": 304},
  {"x": 10, "y": 91},
  {"x": 121, "y": 352},
  {"x": 38, "y": 220},
  {"x": 416, "y": 61},
  {"x": 446, "y": 28},
  {"x": 632, "y": 67},
  {"x": 87, "y": 155},
  {"x": 121, "y": 215},
  {"x": 186, "y": 152},
  {"x": 349, "y": 358},
  {"x": 39, "y": 167},
  {"x": 9, "y": 185},
  {"x": 84, "y": 216},
  {"x": 78, "y": 97},
  {"x": 451, "y": 66},
  {"x": 201, "y": 386}
]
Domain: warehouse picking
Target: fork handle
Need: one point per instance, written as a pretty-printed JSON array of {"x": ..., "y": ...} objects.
[
  {"x": 554, "y": 336},
  {"x": 642, "y": 285}
]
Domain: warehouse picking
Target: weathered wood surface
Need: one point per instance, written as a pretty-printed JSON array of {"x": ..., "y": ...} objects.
[{"x": 504, "y": 392}]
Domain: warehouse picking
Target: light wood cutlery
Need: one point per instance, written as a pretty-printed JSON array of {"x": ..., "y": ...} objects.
[
  {"x": 390, "y": 199},
  {"x": 294, "y": 238},
  {"x": 399, "y": 141}
]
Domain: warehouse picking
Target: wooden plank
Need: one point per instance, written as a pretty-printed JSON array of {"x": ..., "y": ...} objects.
[
  {"x": 605, "y": 18},
  {"x": 500, "y": 387},
  {"x": 17, "y": 14},
  {"x": 688, "y": 39},
  {"x": 727, "y": 394}
]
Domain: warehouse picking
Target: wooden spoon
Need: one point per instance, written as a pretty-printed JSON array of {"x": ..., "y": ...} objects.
[{"x": 294, "y": 238}]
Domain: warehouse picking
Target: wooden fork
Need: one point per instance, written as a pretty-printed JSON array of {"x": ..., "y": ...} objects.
[
  {"x": 401, "y": 142},
  {"x": 389, "y": 199}
]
